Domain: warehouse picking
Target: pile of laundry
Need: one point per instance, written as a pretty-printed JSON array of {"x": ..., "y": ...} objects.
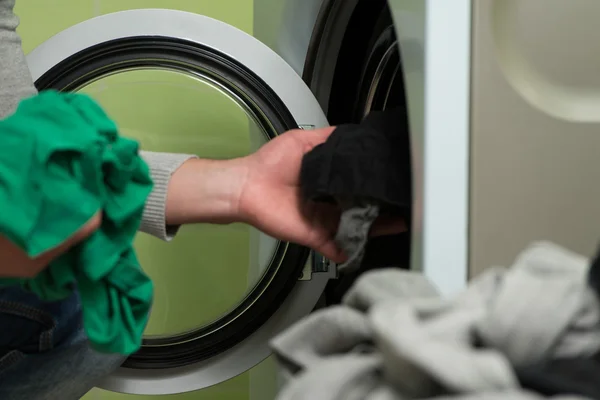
[{"x": 531, "y": 331}]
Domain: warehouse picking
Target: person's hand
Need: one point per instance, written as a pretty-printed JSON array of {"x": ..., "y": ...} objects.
[
  {"x": 15, "y": 263},
  {"x": 270, "y": 197}
]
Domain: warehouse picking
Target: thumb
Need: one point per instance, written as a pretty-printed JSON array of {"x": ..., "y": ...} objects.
[
  {"x": 388, "y": 226},
  {"x": 332, "y": 252},
  {"x": 314, "y": 137}
]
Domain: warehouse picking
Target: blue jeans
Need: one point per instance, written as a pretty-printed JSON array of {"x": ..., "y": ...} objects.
[{"x": 44, "y": 352}]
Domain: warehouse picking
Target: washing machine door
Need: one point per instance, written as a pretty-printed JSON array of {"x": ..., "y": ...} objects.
[{"x": 186, "y": 83}]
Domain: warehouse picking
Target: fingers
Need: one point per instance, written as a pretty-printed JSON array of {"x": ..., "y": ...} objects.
[
  {"x": 332, "y": 252},
  {"x": 388, "y": 226},
  {"x": 381, "y": 227},
  {"x": 325, "y": 219},
  {"x": 16, "y": 263},
  {"x": 314, "y": 137}
]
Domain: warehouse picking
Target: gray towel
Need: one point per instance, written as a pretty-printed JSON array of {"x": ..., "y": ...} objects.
[{"x": 395, "y": 338}]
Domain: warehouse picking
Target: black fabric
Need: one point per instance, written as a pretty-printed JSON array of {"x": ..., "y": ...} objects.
[
  {"x": 594, "y": 274},
  {"x": 563, "y": 377},
  {"x": 388, "y": 251},
  {"x": 368, "y": 161}
]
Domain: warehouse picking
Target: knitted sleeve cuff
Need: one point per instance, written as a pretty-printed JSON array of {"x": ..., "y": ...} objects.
[
  {"x": 16, "y": 83},
  {"x": 162, "y": 166}
]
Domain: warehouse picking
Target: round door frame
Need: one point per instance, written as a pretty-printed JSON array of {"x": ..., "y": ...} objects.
[{"x": 302, "y": 105}]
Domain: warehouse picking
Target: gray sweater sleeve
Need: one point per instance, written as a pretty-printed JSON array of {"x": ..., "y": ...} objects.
[{"x": 16, "y": 83}]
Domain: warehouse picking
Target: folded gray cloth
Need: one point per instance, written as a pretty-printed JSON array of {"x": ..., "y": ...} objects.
[{"x": 395, "y": 338}]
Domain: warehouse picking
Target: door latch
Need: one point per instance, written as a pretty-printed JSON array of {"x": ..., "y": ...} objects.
[{"x": 317, "y": 264}]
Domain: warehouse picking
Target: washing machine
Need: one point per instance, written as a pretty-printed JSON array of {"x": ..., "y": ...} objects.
[{"x": 500, "y": 97}]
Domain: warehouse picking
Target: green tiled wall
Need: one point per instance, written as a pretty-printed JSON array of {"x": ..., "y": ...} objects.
[{"x": 179, "y": 116}]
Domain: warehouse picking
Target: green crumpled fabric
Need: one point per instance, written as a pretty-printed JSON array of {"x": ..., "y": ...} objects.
[{"x": 61, "y": 161}]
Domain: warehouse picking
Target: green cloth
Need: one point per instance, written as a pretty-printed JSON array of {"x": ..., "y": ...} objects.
[{"x": 62, "y": 161}]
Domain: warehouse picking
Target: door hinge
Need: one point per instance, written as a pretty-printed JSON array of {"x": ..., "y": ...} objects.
[{"x": 317, "y": 264}]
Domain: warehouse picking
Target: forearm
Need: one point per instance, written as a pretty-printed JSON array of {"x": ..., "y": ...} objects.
[{"x": 206, "y": 191}]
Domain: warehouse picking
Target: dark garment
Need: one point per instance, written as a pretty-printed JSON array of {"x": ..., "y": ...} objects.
[
  {"x": 365, "y": 169},
  {"x": 576, "y": 376},
  {"x": 594, "y": 274},
  {"x": 367, "y": 162}
]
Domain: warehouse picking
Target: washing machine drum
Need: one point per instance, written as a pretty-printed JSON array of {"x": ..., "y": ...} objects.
[{"x": 184, "y": 83}]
